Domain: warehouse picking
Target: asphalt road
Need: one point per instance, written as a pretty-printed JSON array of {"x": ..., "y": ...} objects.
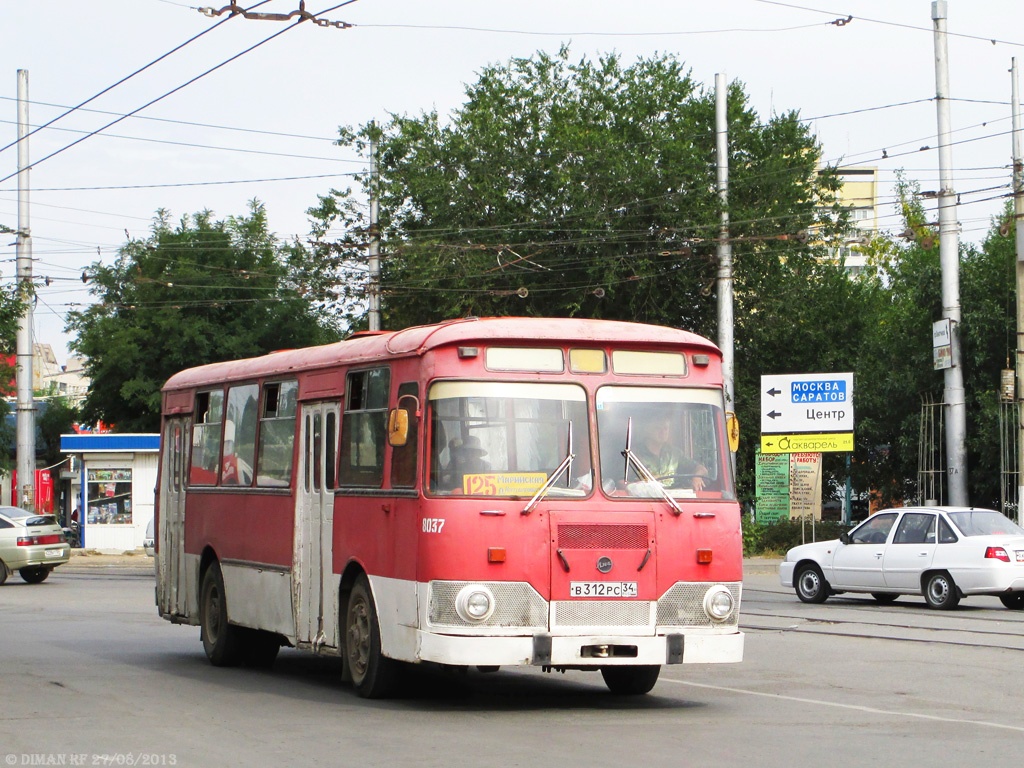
[{"x": 89, "y": 675}]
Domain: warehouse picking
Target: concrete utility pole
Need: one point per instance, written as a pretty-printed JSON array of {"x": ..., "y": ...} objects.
[
  {"x": 1018, "y": 211},
  {"x": 26, "y": 416},
  {"x": 725, "y": 283},
  {"x": 374, "y": 284},
  {"x": 949, "y": 257}
]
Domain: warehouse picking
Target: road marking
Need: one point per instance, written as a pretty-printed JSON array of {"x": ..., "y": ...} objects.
[{"x": 856, "y": 707}]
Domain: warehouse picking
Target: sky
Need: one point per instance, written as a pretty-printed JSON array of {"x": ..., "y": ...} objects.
[{"x": 229, "y": 118}]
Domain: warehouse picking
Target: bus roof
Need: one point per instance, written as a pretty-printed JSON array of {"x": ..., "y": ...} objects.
[{"x": 369, "y": 347}]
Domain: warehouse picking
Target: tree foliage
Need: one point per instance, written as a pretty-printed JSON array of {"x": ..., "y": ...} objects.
[
  {"x": 199, "y": 292},
  {"x": 588, "y": 188}
]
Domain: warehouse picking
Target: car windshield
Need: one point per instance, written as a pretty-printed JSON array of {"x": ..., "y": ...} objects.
[
  {"x": 985, "y": 522},
  {"x": 657, "y": 440},
  {"x": 491, "y": 438}
]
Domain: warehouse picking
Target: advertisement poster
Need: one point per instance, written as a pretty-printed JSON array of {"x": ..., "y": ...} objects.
[
  {"x": 772, "y": 477},
  {"x": 805, "y": 485}
]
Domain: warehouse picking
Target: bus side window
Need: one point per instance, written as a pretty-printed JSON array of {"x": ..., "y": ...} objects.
[
  {"x": 240, "y": 435},
  {"x": 403, "y": 458},
  {"x": 364, "y": 428},
  {"x": 206, "y": 430},
  {"x": 277, "y": 434}
]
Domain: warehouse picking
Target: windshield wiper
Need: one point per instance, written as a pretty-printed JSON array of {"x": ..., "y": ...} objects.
[
  {"x": 564, "y": 466},
  {"x": 643, "y": 472}
]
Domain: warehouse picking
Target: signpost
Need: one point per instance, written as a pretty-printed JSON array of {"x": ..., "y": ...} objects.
[
  {"x": 802, "y": 416},
  {"x": 813, "y": 403}
]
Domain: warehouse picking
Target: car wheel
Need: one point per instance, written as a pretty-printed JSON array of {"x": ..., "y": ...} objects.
[
  {"x": 811, "y": 586},
  {"x": 34, "y": 574},
  {"x": 221, "y": 641},
  {"x": 940, "y": 591},
  {"x": 630, "y": 681},
  {"x": 1014, "y": 601},
  {"x": 373, "y": 674},
  {"x": 4, "y": 573},
  {"x": 884, "y": 598}
]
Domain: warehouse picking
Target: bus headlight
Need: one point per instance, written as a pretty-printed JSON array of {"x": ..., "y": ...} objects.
[
  {"x": 474, "y": 603},
  {"x": 719, "y": 603}
]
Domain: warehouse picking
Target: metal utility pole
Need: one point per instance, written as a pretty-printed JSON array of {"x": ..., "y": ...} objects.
[
  {"x": 725, "y": 283},
  {"x": 1018, "y": 211},
  {"x": 949, "y": 257},
  {"x": 374, "y": 285},
  {"x": 25, "y": 415}
]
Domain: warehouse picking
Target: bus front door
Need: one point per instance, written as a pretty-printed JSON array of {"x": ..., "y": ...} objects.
[
  {"x": 172, "y": 583},
  {"x": 315, "y": 600}
]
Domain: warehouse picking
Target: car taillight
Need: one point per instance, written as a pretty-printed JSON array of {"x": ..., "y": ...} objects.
[
  {"x": 997, "y": 553},
  {"x": 50, "y": 538}
]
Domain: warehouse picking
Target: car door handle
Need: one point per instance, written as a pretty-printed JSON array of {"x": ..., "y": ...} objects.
[
  {"x": 922, "y": 554},
  {"x": 878, "y": 554}
]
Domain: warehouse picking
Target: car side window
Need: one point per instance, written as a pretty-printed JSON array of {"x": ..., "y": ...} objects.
[
  {"x": 946, "y": 535},
  {"x": 874, "y": 530},
  {"x": 915, "y": 528},
  {"x": 5, "y": 524}
]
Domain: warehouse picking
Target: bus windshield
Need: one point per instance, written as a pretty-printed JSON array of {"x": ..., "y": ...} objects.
[
  {"x": 657, "y": 440},
  {"x": 505, "y": 439}
]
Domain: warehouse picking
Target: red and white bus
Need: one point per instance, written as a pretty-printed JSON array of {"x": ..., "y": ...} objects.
[{"x": 476, "y": 493}]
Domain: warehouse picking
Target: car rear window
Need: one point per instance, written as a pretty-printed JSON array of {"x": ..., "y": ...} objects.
[{"x": 40, "y": 520}]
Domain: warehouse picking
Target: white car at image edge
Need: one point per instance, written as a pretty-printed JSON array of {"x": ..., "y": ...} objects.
[{"x": 942, "y": 553}]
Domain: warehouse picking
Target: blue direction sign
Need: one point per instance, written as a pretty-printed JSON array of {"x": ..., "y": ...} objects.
[{"x": 807, "y": 402}]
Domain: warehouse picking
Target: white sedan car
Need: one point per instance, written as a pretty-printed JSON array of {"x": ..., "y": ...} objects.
[{"x": 943, "y": 553}]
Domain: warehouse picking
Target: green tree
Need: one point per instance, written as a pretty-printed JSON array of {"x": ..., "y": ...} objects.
[
  {"x": 895, "y": 374},
  {"x": 582, "y": 188},
  {"x": 588, "y": 188},
  {"x": 201, "y": 292}
]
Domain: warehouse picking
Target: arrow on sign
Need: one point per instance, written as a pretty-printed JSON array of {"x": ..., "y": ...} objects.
[
  {"x": 773, "y": 414},
  {"x": 773, "y": 391}
]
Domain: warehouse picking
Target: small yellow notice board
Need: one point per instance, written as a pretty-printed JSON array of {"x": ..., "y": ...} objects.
[{"x": 835, "y": 442}]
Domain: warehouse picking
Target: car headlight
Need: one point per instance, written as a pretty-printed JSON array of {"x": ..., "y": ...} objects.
[
  {"x": 474, "y": 603},
  {"x": 719, "y": 603}
]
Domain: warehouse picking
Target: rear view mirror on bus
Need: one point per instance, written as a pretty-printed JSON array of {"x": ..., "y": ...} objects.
[
  {"x": 398, "y": 427},
  {"x": 733, "y": 428}
]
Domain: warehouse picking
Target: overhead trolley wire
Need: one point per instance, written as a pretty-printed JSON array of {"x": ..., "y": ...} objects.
[
  {"x": 175, "y": 90},
  {"x": 123, "y": 80}
]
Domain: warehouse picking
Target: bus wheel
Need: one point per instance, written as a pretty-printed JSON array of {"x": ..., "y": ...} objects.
[
  {"x": 373, "y": 674},
  {"x": 630, "y": 681},
  {"x": 221, "y": 641}
]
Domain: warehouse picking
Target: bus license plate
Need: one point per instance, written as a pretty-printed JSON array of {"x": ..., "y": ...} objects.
[{"x": 602, "y": 589}]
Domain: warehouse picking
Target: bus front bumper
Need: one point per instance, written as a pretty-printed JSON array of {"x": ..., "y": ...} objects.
[{"x": 581, "y": 651}]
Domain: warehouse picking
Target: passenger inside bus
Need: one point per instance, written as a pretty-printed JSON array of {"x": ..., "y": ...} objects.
[
  {"x": 466, "y": 458},
  {"x": 665, "y": 461}
]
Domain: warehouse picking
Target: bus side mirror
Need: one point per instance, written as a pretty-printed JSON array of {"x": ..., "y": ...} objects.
[
  {"x": 732, "y": 427},
  {"x": 398, "y": 427}
]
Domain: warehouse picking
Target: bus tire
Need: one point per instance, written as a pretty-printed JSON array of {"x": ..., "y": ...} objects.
[
  {"x": 630, "y": 681},
  {"x": 373, "y": 674},
  {"x": 221, "y": 641}
]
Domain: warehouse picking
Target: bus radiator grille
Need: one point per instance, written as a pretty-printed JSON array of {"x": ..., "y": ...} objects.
[
  {"x": 610, "y": 536},
  {"x": 683, "y": 606},
  {"x": 601, "y": 613}
]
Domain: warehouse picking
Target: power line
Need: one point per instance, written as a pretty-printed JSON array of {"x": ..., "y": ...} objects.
[
  {"x": 150, "y": 103},
  {"x": 929, "y": 30},
  {"x": 123, "y": 80}
]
